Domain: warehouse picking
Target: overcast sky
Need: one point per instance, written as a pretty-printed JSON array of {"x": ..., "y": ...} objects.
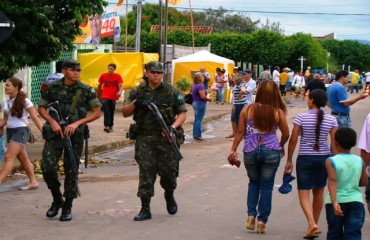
[{"x": 347, "y": 19}]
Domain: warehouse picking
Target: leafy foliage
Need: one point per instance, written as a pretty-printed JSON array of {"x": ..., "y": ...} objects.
[
  {"x": 349, "y": 52},
  {"x": 43, "y": 29},
  {"x": 304, "y": 45},
  {"x": 183, "y": 84}
]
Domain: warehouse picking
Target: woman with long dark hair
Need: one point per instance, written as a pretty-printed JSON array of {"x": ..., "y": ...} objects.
[
  {"x": 314, "y": 126},
  {"x": 258, "y": 125},
  {"x": 17, "y": 107}
]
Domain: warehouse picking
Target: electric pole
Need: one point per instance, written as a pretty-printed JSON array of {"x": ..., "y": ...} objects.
[{"x": 138, "y": 26}]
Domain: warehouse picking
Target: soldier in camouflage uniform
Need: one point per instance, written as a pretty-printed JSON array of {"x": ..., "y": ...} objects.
[
  {"x": 152, "y": 153},
  {"x": 64, "y": 91}
]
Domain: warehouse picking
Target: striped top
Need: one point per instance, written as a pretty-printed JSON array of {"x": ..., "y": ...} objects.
[
  {"x": 252, "y": 135},
  {"x": 307, "y": 121},
  {"x": 236, "y": 92}
]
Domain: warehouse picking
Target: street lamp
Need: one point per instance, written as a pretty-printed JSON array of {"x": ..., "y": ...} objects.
[{"x": 6, "y": 27}]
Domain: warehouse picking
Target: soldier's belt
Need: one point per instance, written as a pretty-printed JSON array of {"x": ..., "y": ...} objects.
[{"x": 151, "y": 133}]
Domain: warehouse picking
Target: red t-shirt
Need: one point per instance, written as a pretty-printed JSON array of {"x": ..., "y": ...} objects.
[{"x": 110, "y": 85}]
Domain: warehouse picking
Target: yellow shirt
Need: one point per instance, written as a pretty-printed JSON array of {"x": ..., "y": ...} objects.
[
  {"x": 284, "y": 78},
  {"x": 354, "y": 78}
]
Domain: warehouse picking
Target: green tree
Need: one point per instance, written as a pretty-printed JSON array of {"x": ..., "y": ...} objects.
[
  {"x": 301, "y": 44},
  {"x": 43, "y": 29},
  {"x": 267, "y": 48},
  {"x": 224, "y": 21},
  {"x": 348, "y": 52}
]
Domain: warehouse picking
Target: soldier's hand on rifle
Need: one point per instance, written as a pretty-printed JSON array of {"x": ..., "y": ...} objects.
[
  {"x": 70, "y": 129},
  {"x": 172, "y": 131},
  {"x": 140, "y": 103},
  {"x": 55, "y": 127}
]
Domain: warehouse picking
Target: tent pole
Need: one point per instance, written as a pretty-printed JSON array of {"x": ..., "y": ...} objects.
[{"x": 192, "y": 25}]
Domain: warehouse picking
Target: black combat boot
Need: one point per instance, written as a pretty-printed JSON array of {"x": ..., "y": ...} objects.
[
  {"x": 56, "y": 204},
  {"x": 144, "y": 213},
  {"x": 171, "y": 203},
  {"x": 66, "y": 210}
]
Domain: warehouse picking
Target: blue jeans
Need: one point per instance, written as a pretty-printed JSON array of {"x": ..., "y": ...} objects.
[
  {"x": 347, "y": 227},
  {"x": 343, "y": 121},
  {"x": 2, "y": 148},
  {"x": 220, "y": 94},
  {"x": 354, "y": 87},
  {"x": 261, "y": 164},
  {"x": 199, "y": 112}
]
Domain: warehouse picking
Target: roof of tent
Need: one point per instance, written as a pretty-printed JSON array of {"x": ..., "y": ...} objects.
[
  {"x": 202, "y": 56},
  {"x": 194, "y": 61}
]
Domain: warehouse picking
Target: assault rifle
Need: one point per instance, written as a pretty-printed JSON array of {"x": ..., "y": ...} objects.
[
  {"x": 67, "y": 144},
  {"x": 86, "y": 137},
  {"x": 167, "y": 133}
]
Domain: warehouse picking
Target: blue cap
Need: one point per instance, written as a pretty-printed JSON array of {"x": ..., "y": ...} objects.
[
  {"x": 246, "y": 71},
  {"x": 286, "y": 187}
]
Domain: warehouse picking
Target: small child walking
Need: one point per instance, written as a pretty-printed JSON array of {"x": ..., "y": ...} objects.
[{"x": 345, "y": 212}]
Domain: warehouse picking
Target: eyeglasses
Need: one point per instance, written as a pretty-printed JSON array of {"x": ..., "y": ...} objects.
[{"x": 74, "y": 70}]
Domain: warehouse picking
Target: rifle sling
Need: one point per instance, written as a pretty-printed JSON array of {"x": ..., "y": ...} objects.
[{"x": 74, "y": 103}]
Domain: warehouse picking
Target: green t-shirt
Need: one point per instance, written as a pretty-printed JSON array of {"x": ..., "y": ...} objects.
[{"x": 348, "y": 169}]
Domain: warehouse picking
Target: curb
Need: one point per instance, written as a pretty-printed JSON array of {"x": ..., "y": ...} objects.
[{"x": 127, "y": 142}]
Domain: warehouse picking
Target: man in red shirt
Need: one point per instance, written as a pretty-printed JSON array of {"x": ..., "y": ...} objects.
[{"x": 109, "y": 91}]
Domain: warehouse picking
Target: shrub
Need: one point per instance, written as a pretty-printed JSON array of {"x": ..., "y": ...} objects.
[{"x": 183, "y": 84}]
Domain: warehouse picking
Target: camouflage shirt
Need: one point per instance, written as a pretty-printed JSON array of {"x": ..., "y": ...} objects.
[
  {"x": 57, "y": 91},
  {"x": 168, "y": 99}
]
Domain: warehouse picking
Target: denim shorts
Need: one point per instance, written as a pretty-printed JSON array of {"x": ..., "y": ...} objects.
[
  {"x": 235, "y": 112},
  {"x": 19, "y": 135},
  {"x": 311, "y": 171}
]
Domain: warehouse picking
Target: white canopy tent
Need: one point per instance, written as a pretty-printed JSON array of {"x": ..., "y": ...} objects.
[{"x": 184, "y": 66}]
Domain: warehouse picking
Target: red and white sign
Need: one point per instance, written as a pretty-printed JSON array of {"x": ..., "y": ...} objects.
[{"x": 110, "y": 20}]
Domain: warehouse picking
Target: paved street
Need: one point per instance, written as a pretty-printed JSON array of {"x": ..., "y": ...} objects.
[{"x": 211, "y": 196}]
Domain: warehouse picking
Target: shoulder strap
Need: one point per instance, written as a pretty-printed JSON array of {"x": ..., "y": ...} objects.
[{"x": 74, "y": 103}]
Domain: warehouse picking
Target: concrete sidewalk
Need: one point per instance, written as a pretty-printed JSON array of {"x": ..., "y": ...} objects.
[{"x": 101, "y": 141}]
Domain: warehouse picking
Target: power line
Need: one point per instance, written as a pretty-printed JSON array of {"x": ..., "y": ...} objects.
[{"x": 290, "y": 13}]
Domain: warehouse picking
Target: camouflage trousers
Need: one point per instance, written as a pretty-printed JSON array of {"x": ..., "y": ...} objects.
[
  {"x": 155, "y": 158},
  {"x": 51, "y": 154}
]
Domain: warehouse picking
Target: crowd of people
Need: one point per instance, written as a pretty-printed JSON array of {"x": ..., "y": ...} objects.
[{"x": 318, "y": 164}]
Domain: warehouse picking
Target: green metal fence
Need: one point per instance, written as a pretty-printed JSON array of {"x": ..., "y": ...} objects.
[{"x": 39, "y": 73}]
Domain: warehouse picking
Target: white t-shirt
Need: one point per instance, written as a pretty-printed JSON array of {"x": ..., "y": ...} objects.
[
  {"x": 13, "y": 121},
  {"x": 367, "y": 77},
  {"x": 298, "y": 81},
  {"x": 275, "y": 76}
]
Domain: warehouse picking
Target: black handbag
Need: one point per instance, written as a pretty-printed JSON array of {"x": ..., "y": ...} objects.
[{"x": 188, "y": 98}]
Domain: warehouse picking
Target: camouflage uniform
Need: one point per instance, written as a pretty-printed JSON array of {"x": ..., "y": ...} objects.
[
  {"x": 53, "y": 147},
  {"x": 152, "y": 153}
]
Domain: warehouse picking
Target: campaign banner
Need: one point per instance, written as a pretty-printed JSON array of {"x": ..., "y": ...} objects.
[
  {"x": 110, "y": 20},
  {"x": 117, "y": 34},
  {"x": 90, "y": 29}
]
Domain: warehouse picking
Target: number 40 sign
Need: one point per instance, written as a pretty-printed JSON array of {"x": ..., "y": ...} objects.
[{"x": 110, "y": 20}]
